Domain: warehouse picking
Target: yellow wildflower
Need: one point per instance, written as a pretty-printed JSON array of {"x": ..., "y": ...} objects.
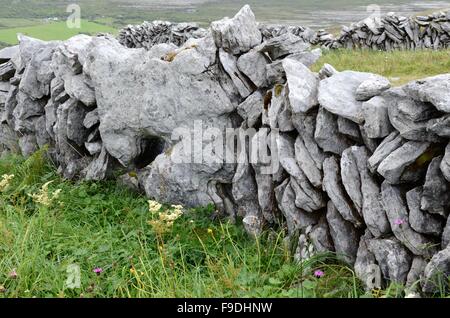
[
  {"x": 4, "y": 183},
  {"x": 44, "y": 197},
  {"x": 164, "y": 220},
  {"x": 154, "y": 206},
  {"x": 210, "y": 231}
]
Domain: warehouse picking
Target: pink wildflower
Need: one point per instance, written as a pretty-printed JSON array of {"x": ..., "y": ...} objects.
[
  {"x": 318, "y": 273},
  {"x": 98, "y": 270},
  {"x": 13, "y": 274}
]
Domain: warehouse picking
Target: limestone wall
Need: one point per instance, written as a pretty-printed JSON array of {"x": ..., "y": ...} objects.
[
  {"x": 387, "y": 32},
  {"x": 355, "y": 166}
]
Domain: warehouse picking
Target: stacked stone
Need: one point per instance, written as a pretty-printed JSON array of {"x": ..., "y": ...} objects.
[
  {"x": 389, "y": 32},
  {"x": 355, "y": 167},
  {"x": 149, "y": 34},
  {"x": 397, "y": 32},
  {"x": 51, "y": 102}
]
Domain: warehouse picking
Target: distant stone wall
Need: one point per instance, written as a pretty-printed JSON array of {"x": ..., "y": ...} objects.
[
  {"x": 355, "y": 167},
  {"x": 389, "y": 32},
  {"x": 149, "y": 34}
]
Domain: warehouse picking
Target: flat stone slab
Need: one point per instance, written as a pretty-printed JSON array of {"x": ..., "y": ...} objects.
[{"x": 337, "y": 94}]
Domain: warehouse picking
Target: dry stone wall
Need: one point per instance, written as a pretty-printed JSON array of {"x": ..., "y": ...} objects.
[
  {"x": 356, "y": 166},
  {"x": 387, "y": 32}
]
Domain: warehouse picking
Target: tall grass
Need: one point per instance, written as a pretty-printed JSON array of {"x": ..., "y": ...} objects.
[{"x": 102, "y": 225}]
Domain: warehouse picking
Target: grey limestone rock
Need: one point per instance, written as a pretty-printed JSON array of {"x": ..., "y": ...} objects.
[
  {"x": 253, "y": 65},
  {"x": 238, "y": 34},
  {"x": 91, "y": 119},
  {"x": 440, "y": 126},
  {"x": 437, "y": 272},
  {"x": 393, "y": 258},
  {"x": 415, "y": 273},
  {"x": 349, "y": 129},
  {"x": 436, "y": 190},
  {"x": 394, "y": 165},
  {"x": 397, "y": 213},
  {"x": 283, "y": 45},
  {"x": 337, "y": 94},
  {"x": 435, "y": 90},
  {"x": 371, "y": 88},
  {"x": 8, "y": 53},
  {"x": 302, "y": 86},
  {"x": 332, "y": 184},
  {"x": 445, "y": 163},
  {"x": 366, "y": 268},
  {"x": 421, "y": 221},
  {"x": 229, "y": 63},
  {"x": 376, "y": 118},
  {"x": 307, "y": 164},
  {"x": 392, "y": 142},
  {"x": 344, "y": 234},
  {"x": 327, "y": 133}
]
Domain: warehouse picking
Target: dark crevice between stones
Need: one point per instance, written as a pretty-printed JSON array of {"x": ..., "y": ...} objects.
[{"x": 151, "y": 147}]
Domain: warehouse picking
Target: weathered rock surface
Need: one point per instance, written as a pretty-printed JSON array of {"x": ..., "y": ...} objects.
[
  {"x": 371, "y": 88},
  {"x": 436, "y": 190},
  {"x": 344, "y": 234},
  {"x": 327, "y": 133},
  {"x": 397, "y": 214},
  {"x": 376, "y": 118},
  {"x": 283, "y": 45},
  {"x": 438, "y": 266},
  {"x": 440, "y": 126},
  {"x": 8, "y": 53},
  {"x": 238, "y": 34},
  {"x": 394, "y": 165},
  {"x": 302, "y": 86},
  {"x": 394, "y": 259},
  {"x": 421, "y": 221},
  {"x": 337, "y": 94},
  {"x": 405, "y": 123},
  {"x": 253, "y": 65},
  {"x": 389, "y": 144},
  {"x": 435, "y": 90},
  {"x": 415, "y": 273},
  {"x": 252, "y": 108},
  {"x": 446, "y": 235},
  {"x": 366, "y": 268},
  {"x": 445, "y": 163},
  {"x": 333, "y": 186}
]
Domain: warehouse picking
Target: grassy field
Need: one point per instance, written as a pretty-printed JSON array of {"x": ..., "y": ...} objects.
[
  {"x": 106, "y": 232},
  {"x": 399, "y": 66},
  {"x": 53, "y": 31}
]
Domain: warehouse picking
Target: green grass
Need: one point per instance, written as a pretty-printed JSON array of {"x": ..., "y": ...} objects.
[
  {"x": 18, "y": 22},
  {"x": 104, "y": 225},
  {"x": 399, "y": 66},
  {"x": 53, "y": 31}
]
